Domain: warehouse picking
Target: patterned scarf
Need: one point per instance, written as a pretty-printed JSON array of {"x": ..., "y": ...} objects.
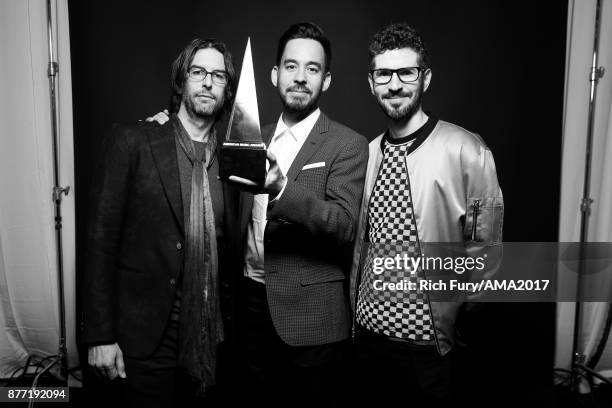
[{"x": 200, "y": 325}]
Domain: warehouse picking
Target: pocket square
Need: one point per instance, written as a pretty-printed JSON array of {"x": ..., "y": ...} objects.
[{"x": 313, "y": 165}]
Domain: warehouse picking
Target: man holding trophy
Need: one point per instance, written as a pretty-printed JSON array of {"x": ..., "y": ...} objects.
[{"x": 296, "y": 226}]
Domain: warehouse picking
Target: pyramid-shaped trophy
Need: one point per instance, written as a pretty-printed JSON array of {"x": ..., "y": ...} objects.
[{"x": 243, "y": 152}]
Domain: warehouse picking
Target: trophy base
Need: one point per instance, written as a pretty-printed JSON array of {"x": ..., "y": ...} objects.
[{"x": 246, "y": 160}]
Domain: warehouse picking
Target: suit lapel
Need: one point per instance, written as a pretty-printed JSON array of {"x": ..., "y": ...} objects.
[
  {"x": 310, "y": 146},
  {"x": 163, "y": 147}
]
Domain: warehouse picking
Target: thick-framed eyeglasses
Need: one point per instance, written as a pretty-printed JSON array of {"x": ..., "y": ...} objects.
[
  {"x": 382, "y": 76},
  {"x": 197, "y": 74}
]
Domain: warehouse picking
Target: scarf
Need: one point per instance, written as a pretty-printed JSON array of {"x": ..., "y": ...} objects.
[{"x": 200, "y": 324}]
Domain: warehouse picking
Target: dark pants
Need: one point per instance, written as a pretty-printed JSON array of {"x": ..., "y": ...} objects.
[
  {"x": 282, "y": 375},
  {"x": 155, "y": 381},
  {"x": 397, "y": 373}
]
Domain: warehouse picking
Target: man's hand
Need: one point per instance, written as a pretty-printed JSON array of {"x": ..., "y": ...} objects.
[
  {"x": 107, "y": 361},
  {"x": 160, "y": 117},
  {"x": 275, "y": 180}
]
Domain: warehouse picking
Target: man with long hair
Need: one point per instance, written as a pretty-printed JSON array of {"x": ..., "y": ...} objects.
[{"x": 156, "y": 241}]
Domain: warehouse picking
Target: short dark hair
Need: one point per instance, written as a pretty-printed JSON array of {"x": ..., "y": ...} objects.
[
  {"x": 397, "y": 36},
  {"x": 181, "y": 64},
  {"x": 307, "y": 31}
]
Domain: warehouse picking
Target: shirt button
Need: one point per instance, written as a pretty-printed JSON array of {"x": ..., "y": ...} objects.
[
  {"x": 179, "y": 246},
  {"x": 172, "y": 282}
]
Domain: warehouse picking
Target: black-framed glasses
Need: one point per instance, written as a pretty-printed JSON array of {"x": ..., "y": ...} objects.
[
  {"x": 382, "y": 76},
  {"x": 198, "y": 74}
]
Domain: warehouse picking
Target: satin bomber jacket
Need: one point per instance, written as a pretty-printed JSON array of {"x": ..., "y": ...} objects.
[{"x": 456, "y": 199}]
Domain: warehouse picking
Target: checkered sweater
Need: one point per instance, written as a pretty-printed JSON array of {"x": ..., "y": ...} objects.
[{"x": 392, "y": 230}]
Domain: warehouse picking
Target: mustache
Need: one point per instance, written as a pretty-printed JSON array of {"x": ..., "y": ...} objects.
[
  {"x": 391, "y": 95},
  {"x": 205, "y": 94},
  {"x": 298, "y": 88}
]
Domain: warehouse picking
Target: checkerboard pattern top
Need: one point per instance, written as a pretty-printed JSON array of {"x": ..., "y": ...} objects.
[{"x": 404, "y": 313}]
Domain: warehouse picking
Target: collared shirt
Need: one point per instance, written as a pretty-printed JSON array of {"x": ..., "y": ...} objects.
[{"x": 285, "y": 144}]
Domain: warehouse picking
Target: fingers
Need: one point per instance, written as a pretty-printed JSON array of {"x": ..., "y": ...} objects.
[
  {"x": 271, "y": 157},
  {"x": 110, "y": 372},
  {"x": 244, "y": 181},
  {"x": 119, "y": 364},
  {"x": 95, "y": 362},
  {"x": 160, "y": 117},
  {"x": 107, "y": 361},
  {"x": 91, "y": 360}
]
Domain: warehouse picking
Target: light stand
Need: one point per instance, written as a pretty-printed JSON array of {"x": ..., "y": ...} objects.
[
  {"x": 62, "y": 355},
  {"x": 585, "y": 212}
]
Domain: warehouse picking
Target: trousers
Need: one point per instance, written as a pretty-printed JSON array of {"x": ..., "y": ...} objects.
[
  {"x": 391, "y": 372},
  {"x": 278, "y": 374}
]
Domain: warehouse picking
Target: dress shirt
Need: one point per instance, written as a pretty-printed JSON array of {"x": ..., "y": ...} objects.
[{"x": 285, "y": 144}]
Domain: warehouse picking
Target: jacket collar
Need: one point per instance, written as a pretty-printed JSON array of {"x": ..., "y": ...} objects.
[
  {"x": 310, "y": 146},
  {"x": 419, "y": 135}
]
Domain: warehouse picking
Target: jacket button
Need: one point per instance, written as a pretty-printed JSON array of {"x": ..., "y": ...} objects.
[
  {"x": 172, "y": 282},
  {"x": 179, "y": 246}
]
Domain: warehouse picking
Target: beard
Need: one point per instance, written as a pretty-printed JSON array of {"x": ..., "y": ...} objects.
[
  {"x": 299, "y": 105},
  {"x": 402, "y": 112},
  {"x": 201, "y": 110}
]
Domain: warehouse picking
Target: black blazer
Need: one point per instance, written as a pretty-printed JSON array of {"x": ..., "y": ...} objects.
[
  {"x": 308, "y": 231},
  {"x": 135, "y": 238}
]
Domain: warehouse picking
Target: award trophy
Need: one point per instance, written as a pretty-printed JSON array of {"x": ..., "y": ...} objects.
[{"x": 243, "y": 153}]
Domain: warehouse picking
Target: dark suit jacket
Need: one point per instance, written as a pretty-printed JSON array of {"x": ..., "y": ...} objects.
[
  {"x": 307, "y": 233},
  {"x": 136, "y": 239}
]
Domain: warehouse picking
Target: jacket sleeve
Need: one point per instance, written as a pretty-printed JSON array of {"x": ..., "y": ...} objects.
[
  {"x": 483, "y": 226},
  {"x": 484, "y": 204},
  {"x": 336, "y": 215},
  {"x": 108, "y": 197}
]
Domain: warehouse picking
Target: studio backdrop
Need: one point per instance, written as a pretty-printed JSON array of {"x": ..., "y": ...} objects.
[{"x": 498, "y": 70}]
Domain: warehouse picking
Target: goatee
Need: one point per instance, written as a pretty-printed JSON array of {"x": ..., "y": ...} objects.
[
  {"x": 403, "y": 112},
  {"x": 202, "y": 111},
  {"x": 298, "y": 106}
]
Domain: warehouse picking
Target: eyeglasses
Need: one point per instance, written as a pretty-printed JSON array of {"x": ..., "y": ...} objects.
[
  {"x": 198, "y": 74},
  {"x": 406, "y": 75}
]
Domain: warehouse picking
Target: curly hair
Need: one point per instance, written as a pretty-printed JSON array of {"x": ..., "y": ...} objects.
[
  {"x": 181, "y": 64},
  {"x": 396, "y": 36},
  {"x": 307, "y": 31}
]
